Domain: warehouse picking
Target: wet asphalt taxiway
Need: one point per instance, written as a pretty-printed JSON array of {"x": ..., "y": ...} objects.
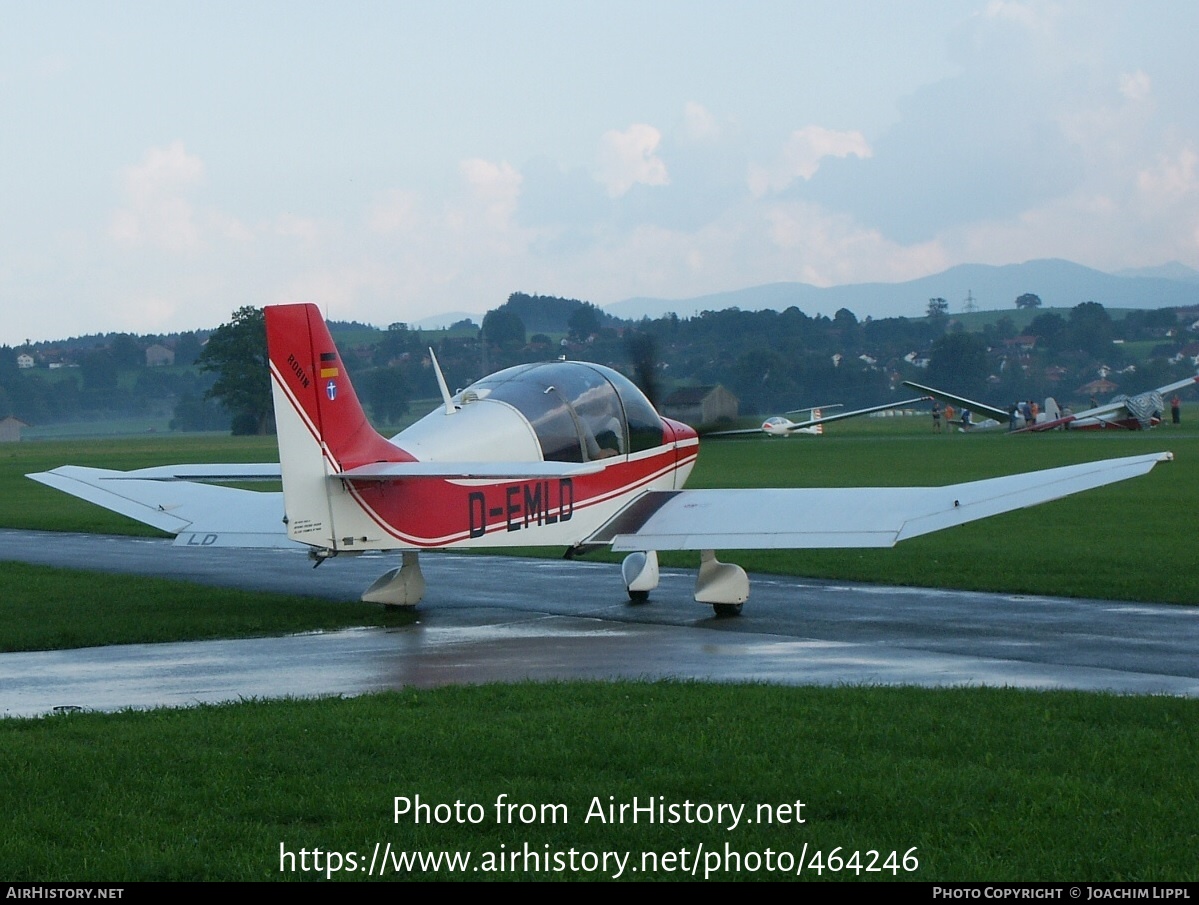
[{"x": 488, "y": 619}]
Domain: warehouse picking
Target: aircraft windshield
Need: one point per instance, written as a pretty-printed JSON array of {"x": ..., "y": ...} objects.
[{"x": 580, "y": 412}]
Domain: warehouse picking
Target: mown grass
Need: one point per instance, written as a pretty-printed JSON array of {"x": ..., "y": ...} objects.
[
  {"x": 54, "y": 609},
  {"x": 985, "y": 784}
]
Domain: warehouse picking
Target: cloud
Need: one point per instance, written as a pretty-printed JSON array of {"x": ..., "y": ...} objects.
[
  {"x": 157, "y": 211},
  {"x": 495, "y": 187},
  {"x": 396, "y": 211},
  {"x": 698, "y": 123},
  {"x": 801, "y": 157},
  {"x": 1171, "y": 179},
  {"x": 1135, "y": 86},
  {"x": 628, "y": 158}
]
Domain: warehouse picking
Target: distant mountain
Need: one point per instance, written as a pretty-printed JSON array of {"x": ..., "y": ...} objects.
[
  {"x": 441, "y": 321},
  {"x": 1171, "y": 270},
  {"x": 1060, "y": 284}
]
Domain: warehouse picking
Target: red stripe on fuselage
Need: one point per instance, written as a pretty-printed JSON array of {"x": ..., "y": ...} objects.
[{"x": 438, "y": 512}]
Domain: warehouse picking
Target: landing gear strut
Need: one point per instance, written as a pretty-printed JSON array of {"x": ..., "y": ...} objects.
[
  {"x": 640, "y": 573},
  {"x": 722, "y": 584},
  {"x": 402, "y": 587}
]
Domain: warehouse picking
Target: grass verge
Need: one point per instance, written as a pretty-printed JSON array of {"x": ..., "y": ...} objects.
[
  {"x": 50, "y": 609},
  {"x": 1087, "y": 787}
]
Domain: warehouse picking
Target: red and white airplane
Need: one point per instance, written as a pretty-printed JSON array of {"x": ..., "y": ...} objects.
[
  {"x": 1139, "y": 412},
  {"x": 780, "y": 426},
  {"x": 561, "y": 453}
]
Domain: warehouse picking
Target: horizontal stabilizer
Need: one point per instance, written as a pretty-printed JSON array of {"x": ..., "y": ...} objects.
[
  {"x": 245, "y": 472},
  {"x": 199, "y": 514},
  {"x": 808, "y": 518}
]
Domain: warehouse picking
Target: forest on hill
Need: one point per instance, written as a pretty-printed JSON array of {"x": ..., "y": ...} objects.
[{"x": 771, "y": 360}]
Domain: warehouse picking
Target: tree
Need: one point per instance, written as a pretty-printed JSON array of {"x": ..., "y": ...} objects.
[
  {"x": 584, "y": 322},
  {"x": 937, "y": 307},
  {"x": 959, "y": 360},
  {"x": 236, "y": 352},
  {"x": 1050, "y": 328},
  {"x": 501, "y": 327},
  {"x": 1090, "y": 329},
  {"x": 386, "y": 392},
  {"x": 1028, "y": 300}
]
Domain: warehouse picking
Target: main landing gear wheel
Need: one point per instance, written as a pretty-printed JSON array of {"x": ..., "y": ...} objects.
[
  {"x": 640, "y": 573},
  {"x": 724, "y": 585}
]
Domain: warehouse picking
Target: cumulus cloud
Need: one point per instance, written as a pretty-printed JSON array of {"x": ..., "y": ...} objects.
[
  {"x": 396, "y": 211},
  {"x": 494, "y": 186},
  {"x": 157, "y": 210},
  {"x": 1032, "y": 17},
  {"x": 1171, "y": 178},
  {"x": 801, "y": 157},
  {"x": 1135, "y": 85},
  {"x": 630, "y": 158},
  {"x": 698, "y": 123}
]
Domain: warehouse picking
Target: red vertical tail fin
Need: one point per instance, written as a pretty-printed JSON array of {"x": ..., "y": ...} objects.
[
  {"x": 322, "y": 429},
  {"x": 309, "y": 376}
]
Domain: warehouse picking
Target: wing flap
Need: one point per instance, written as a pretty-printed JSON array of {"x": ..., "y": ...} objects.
[{"x": 810, "y": 518}]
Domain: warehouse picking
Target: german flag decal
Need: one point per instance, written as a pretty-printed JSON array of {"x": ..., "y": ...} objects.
[{"x": 328, "y": 364}]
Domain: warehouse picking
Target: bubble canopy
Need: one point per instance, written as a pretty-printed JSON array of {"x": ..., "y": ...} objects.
[{"x": 580, "y": 411}]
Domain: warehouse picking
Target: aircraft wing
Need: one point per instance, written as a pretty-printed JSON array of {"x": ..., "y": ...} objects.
[
  {"x": 979, "y": 408},
  {"x": 517, "y": 471},
  {"x": 812, "y": 408},
  {"x": 841, "y": 416},
  {"x": 197, "y": 514},
  {"x": 808, "y": 518},
  {"x": 1058, "y": 422},
  {"x": 1118, "y": 408},
  {"x": 1178, "y": 385},
  {"x": 245, "y": 472}
]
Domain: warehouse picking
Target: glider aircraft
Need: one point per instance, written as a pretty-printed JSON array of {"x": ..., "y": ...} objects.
[
  {"x": 560, "y": 453},
  {"x": 779, "y": 426},
  {"x": 1139, "y": 412}
]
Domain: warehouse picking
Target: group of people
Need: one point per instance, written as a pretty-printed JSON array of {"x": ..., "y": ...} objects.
[
  {"x": 949, "y": 412},
  {"x": 1027, "y": 410}
]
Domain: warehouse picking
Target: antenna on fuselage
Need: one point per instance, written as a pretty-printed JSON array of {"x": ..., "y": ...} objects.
[{"x": 441, "y": 385}]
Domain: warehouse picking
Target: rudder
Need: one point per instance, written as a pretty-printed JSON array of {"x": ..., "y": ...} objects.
[{"x": 322, "y": 427}]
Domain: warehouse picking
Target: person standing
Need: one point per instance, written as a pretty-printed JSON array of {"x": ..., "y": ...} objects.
[
  {"x": 1176, "y": 409},
  {"x": 936, "y": 417}
]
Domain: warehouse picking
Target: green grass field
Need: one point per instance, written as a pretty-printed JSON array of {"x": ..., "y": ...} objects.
[{"x": 984, "y": 784}]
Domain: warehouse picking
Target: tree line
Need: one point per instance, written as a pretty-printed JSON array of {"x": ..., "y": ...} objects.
[{"x": 772, "y": 360}]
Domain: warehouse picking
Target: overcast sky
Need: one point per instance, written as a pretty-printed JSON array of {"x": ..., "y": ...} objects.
[{"x": 162, "y": 164}]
